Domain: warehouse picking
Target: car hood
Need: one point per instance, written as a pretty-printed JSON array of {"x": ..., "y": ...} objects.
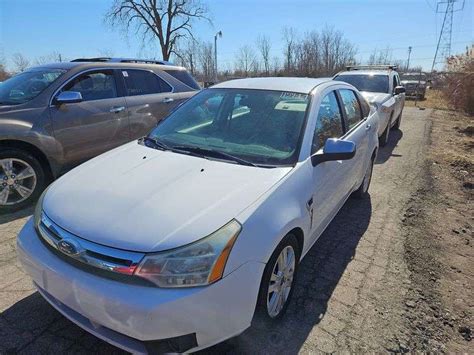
[
  {"x": 141, "y": 199},
  {"x": 376, "y": 97}
]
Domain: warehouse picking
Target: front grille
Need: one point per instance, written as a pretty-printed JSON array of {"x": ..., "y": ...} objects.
[{"x": 91, "y": 257}]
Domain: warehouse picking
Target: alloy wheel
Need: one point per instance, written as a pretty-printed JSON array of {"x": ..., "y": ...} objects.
[
  {"x": 281, "y": 281},
  {"x": 17, "y": 181}
]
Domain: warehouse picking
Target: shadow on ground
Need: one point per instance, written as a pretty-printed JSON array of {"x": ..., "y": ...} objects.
[
  {"x": 10, "y": 217},
  {"x": 385, "y": 153}
]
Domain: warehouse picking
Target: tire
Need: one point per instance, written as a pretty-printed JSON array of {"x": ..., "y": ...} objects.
[
  {"x": 363, "y": 189},
  {"x": 264, "y": 307},
  {"x": 397, "y": 122},
  {"x": 17, "y": 192},
  {"x": 383, "y": 139}
]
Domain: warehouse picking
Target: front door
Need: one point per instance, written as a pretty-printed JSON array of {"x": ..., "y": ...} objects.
[
  {"x": 96, "y": 124},
  {"x": 328, "y": 177}
]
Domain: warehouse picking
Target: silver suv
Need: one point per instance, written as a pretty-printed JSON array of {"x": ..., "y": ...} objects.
[{"x": 56, "y": 116}]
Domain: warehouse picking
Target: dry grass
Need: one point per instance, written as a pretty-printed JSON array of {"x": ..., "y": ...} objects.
[{"x": 434, "y": 99}]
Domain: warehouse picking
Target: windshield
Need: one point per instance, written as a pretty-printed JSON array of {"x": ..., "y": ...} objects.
[
  {"x": 25, "y": 86},
  {"x": 262, "y": 127},
  {"x": 414, "y": 76},
  {"x": 366, "y": 82}
]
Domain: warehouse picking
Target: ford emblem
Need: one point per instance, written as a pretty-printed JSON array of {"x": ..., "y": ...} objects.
[{"x": 69, "y": 247}]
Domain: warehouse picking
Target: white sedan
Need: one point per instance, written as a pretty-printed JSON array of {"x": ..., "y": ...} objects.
[{"x": 169, "y": 243}]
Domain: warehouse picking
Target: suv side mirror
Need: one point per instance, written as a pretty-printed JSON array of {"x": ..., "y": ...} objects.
[
  {"x": 68, "y": 97},
  {"x": 399, "y": 90},
  {"x": 334, "y": 149}
]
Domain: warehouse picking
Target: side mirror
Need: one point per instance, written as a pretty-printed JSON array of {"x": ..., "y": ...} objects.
[
  {"x": 334, "y": 149},
  {"x": 68, "y": 97},
  {"x": 399, "y": 90}
]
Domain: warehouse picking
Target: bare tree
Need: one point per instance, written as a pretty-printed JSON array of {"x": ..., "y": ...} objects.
[
  {"x": 49, "y": 58},
  {"x": 167, "y": 20},
  {"x": 206, "y": 61},
  {"x": 380, "y": 56},
  {"x": 4, "y": 75},
  {"x": 188, "y": 54},
  {"x": 290, "y": 38},
  {"x": 20, "y": 62},
  {"x": 264, "y": 47},
  {"x": 246, "y": 59}
]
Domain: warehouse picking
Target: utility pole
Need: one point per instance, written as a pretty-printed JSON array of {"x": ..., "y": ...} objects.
[
  {"x": 218, "y": 34},
  {"x": 408, "y": 60},
  {"x": 443, "y": 49}
]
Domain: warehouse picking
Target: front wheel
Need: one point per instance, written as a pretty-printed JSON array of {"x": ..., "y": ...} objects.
[
  {"x": 22, "y": 179},
  {"x": 363, "y": 189},
  {"x": 383, "y": 140},
  {"x": 397, "y": 123},
  {"x": 278, "y": 279}
]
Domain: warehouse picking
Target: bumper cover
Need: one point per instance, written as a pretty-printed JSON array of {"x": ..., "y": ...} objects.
[{"x": 132, "y": 316}]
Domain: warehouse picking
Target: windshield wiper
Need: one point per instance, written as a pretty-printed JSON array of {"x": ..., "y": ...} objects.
[
  {"x": 214, "y": 153},
  {"x": 158, "y": 144}
]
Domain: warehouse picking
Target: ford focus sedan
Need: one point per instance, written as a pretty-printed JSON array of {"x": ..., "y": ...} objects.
[{"x": 172, "y": 242}]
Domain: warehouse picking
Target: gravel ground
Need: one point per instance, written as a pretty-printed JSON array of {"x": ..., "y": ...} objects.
[{"x": 352, "y": 294}]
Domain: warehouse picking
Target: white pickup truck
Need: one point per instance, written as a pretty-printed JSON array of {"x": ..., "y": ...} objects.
[{"x": 380, "y": 86}]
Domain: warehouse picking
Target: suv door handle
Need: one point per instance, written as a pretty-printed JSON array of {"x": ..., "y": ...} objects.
[
  {"x": 167, "y": 100},
  {"x": 117, "y": 109},
  {"x": 368, "y": 127}
]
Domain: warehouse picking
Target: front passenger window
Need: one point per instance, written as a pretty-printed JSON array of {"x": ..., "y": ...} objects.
[
  {"x": 94, "y": 85},
  {"x": 328, "y": 123},
  {"x": 351, "y": 107}
]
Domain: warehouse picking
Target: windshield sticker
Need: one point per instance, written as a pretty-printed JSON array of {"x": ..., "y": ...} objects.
[
  {"x": 293, "y": 96},
  {"x": 125, "y": 74}
]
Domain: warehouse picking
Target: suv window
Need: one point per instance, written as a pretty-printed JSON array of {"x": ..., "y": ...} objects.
[
  {"x": 328, "y": 122},
  {"x": 97, "y": 85},
  {"x": 184, "y": 77},
  {"x": 396, "y": 82},
  {"x": 142, "y": 82},
  {"x": 351, "y": 108}
]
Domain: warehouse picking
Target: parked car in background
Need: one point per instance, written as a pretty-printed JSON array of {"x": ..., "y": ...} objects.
[
  {"x": 380, "y": 85},
  {"x": 169, "y": 243},
  {"x": 415, "y": 84},
  {"x": 54, "y": 117}
]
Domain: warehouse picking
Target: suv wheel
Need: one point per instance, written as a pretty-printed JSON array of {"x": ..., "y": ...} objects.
[
  {"x": 22, "y": 179},
  {"x": 279, "y": 278},
  {"x": 397, "y": 123}
]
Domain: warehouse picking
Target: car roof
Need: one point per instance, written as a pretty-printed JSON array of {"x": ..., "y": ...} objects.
[
  {"x": 365, "y": 72},
  {"x": 300, "y": 85},
  {"x": 92, "y": 65}
]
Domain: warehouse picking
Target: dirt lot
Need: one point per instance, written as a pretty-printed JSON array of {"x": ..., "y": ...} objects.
[{"x": 393, "y": 272}]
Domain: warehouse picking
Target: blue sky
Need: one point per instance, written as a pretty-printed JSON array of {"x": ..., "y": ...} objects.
[{"x": 76, "y": 28}]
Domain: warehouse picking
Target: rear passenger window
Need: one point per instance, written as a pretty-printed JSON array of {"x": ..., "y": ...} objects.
[
  {"x": 142, "y": 82},
  {"x": 328, "y": 123},
  {"x": 184, "y": 77},
  {"x": 94, "y": 85},
  {"x": 351, "y": 107}
]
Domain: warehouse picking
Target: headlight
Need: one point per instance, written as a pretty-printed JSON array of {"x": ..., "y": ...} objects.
[
  {"x": 197, "y": 264},
  {"x": 39, "y": 209}
]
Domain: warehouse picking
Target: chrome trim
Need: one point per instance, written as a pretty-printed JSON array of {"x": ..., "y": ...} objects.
[{"x": 87, "y": 252}]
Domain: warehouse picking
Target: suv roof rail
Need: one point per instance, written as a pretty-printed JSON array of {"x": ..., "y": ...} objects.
[
  {"x": 375, "y": 67},
  {"x": 122, "y": 60}
]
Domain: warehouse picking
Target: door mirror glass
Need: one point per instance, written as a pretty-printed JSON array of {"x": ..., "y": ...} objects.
[
  {"x": 68, "y": 97},
  {"x": 334, "y": 149},
  {"x": 399, "y": 90}
]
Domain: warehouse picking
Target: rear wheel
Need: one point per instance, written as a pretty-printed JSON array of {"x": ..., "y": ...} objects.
[
  {"x": 278, "y": 279},
  {"x": 383, "y": 140},
  {"x": 22, "y": 179},
  {"x": 363, "y": 189}
]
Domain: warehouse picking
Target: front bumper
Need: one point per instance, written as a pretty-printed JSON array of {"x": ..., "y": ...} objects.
[{"x": 131, "y": 316}]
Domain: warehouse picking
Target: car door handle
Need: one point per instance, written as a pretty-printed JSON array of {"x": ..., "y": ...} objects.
[
  {"x": 368, "y": 127},
  {"x": 117, "y": 109},
  {"x": 167, "y": 100}
]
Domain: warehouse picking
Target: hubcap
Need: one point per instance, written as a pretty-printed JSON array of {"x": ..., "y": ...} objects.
[
  {"x": 17, "y": 181},
  {"x": 281, "y": 281}
]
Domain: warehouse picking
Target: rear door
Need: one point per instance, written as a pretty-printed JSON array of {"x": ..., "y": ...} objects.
[
  {"x": 149, "y": 99},
  {"x": 95, "y": 125},
  {"x": 357, "y": 130}
]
